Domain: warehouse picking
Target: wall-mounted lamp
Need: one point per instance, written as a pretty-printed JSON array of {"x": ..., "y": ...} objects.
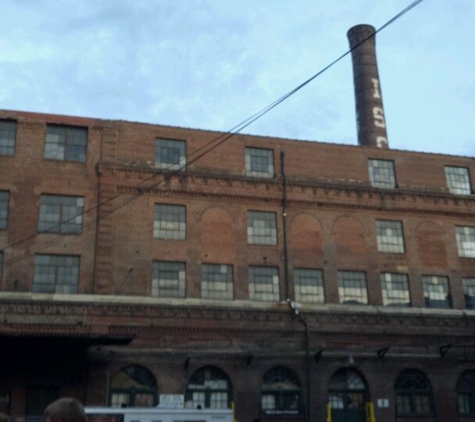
[
  {"x": 318, "y": 355},
  {"x": 444, "y": 349},
  {"x": 382, "y": 352}
]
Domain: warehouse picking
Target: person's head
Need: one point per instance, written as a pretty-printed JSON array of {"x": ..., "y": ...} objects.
[
  {"x": 3, "y": 417},
  {"x": 65, "y": 410}
]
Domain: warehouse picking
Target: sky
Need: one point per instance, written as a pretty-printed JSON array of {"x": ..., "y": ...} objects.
[{"x": 210, "y": 64}]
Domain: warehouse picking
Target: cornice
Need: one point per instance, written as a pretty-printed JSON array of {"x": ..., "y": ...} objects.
[{"x": 318, "y": 193}]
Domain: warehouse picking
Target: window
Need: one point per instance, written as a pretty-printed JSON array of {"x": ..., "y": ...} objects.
[
  {"x": 168, "y": 279},
  {"x": 413, "y": 394},
  {"x": 465, "y": 241},
  {"x": 260, "y": 162},
  {"x": 170, "y": 222},
  {"x": 436, "y": 291},
  {"x": 261, "y": 228},
  {"x": 264, "y": 284},
  {"x": 466, "y": 393},
  {"x": 133, "y": 386},
  {"x": 348, "y": 394},
  {"x": 56, "y": 274},
  {"x": 170, "y": 154},
  {"x": 395, "y": 289},
  {"x": 217, "y": 281},
  {"x": 390, "y": 236},
  {"x": 61, "y": 214},
  {"x": 352, "y": 287},
  {"x": 458, "y": 180},
  {"x": 280, "y": 392},
  {"x": 4, "y": 199},
  {"x": 469, "y": 292},
  {"x": 308, "y": 285},
  {"x": 208, "y": 388},
  {"x": 7, "y": 137},
  {"x": 381, "y": 174},
  {"x": 66, "y": 143}
]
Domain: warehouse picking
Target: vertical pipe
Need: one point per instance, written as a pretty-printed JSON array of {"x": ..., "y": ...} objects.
[
  {"x": 370, "y": 119},
  {"x": 284, "y": 224}
]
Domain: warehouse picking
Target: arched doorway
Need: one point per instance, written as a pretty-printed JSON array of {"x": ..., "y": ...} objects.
[
  {"x": 466, "y": 394},
  {"x": 414, "y": 396},
  {"x": 348, "y": 394},
  {"x": 209, "y": 388},
  {"x": 133, "y": 386},
  {"x": 280, "y": 393}
]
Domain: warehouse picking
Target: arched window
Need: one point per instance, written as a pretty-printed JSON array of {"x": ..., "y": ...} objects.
[
  {"x": 413, "y": 394},
  {"x": 208, "y": 388},
  {"x": 348, "y": 395},
  {"x": 280, "y": 392},
  {"x": 133, "y": 386},
  {"x": 466, "y": 393}
]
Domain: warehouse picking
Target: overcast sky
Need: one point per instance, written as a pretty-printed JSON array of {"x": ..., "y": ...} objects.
[{"x": 212, "y": 63}]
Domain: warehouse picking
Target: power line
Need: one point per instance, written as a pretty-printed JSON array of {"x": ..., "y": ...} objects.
[{"x": 205, "y": 149}]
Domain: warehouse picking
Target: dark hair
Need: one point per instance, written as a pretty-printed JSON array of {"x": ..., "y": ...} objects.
[
  {"x": 65, "y": 410},
  {"x": 4, "y": 418}
]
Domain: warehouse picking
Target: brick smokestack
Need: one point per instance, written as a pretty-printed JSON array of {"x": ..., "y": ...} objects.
[{"x": 370, "y": 118}]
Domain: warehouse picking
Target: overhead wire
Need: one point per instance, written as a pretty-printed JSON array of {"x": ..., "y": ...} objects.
[{"x": 168, "y": 173}]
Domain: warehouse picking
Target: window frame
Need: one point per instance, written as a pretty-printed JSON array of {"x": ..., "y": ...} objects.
[
  {"x": 181, "y": 283},
  {"x": 68, "y": 144},
  {"x": 396, "y": 244},
  {"x": 260, "y": 296},
  {"x": 426, "y": 293},
  {"x": 387, "y": 297},
  {"x": 248, "y": 161},
  {"x": 57, "y": 226},
  {"x": 352, "y": 301},
  {"x": 301, "y": 290},
  {"x": 35, "y": 287},
  {"x": 468, "y": 378},
  {"x": 392, "y": 184},
  {"x": 5, "y": 209},
  {"x": 181, "y": 146},
  {"x": 210, "y": 374},
  {"x": 468, "y": 298},
  {"x": 214, "y": 293},
  {"x": 448, "y": 178},
  {"x": 412, "y": 393},
  {"x": 170, "y": 234},
  {"x": 133, "y": 391},
  {"x": 253, "y": 223},
  {"x": 460, "y": 239},
  {"x": 5, "y": 140}
]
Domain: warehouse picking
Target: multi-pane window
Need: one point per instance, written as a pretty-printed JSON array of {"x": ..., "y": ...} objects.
[
  {"x": 133, "y": 386},
  {"x": 168, "y": 279},
  {"x": 465, "y": 241},
  {"x": 469, "y": 292},
  {"x": 466, "y": 393},
  {"x": 4, "y": 199},
  {"x": 390, "y": 236},
  {"x": 170, "y": 222},
  {"x": 260, "y": 162},
  {"x": 61, "y": 214},
  {"x": 66, "y": 143},
  {"x": 217, "y": 281},
  {"x": 347, "y": 394},
  {"x": 352, "y": 287},
  {"x": 395, "y": 289},
  {"x": 264, "y": 284},
  {"x": 413, "y": 394},
  {"x": 436, "y": 291},
  {"x": 458, "y": 180},
  {"x": 381, "y": 174},
  {"x": 308, "y": 285},
  {"x": 261, "y": 228},
  {"x": 56, "y": 274},
  {"x": 280, "y": 392},
  {"x": 7, "y": 137},
  {"x": 170, "y": 154},
  {"x": 208, "y": 388}
]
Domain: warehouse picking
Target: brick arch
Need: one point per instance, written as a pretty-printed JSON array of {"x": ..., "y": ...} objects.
[
  {"x": 217, "y": 236},
  {"x": 431, "y": 245},
  {"x": 350, "y": 243},
  {"x": 305, "y": 240}
]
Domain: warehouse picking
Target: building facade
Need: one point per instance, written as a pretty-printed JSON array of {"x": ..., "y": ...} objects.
[{"x": 285, "y": 278}]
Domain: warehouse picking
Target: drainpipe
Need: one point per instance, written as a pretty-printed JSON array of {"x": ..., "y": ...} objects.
[{"x": 284, "y": 225}]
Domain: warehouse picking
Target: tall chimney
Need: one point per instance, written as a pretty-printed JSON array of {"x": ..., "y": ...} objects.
[{"x": 369, "y": 102}]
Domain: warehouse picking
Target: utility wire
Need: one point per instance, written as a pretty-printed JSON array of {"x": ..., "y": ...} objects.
[{"x": 205, "y": 149}]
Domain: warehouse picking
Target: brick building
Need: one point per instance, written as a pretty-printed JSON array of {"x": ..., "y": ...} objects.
[{"x": 275, "y": 274}]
